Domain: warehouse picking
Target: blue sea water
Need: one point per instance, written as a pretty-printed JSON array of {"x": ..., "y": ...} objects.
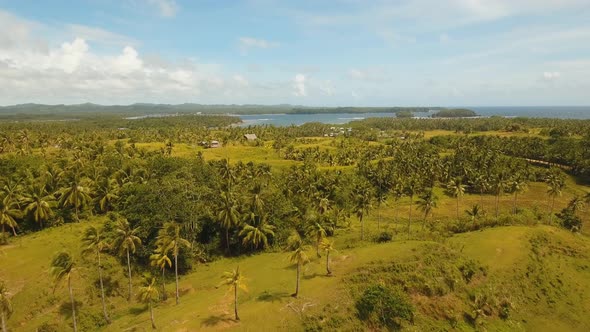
[{"x": 562, "y": 112}]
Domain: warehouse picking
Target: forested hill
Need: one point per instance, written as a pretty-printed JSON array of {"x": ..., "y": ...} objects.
[{"x": 58, "y": 111}]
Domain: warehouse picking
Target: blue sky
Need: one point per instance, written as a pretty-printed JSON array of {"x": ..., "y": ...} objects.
[{"x": 332, "y": 53}]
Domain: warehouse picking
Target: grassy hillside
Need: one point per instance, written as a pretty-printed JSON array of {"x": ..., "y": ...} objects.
[{"x": 538, "y": 277}]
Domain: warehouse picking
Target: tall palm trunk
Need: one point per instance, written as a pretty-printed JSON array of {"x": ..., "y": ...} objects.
[
  {"x": 73, "y": 303},
  {"x": 129, "y": 273},
  {"x": 497, "y": 202},
  {"x": 104, "y": 307},
  {"x": 297, "y": 285},
  {"x": 176, "y": 272},
  {"x": 3, "y": 316},
  {"x": 317, "y": 246},
  {"x": 457, "y": 207},
  {"x": 236, "y": 302},
  {"x": 514, "y": 205},
  {"x": 152, "y": 315},
  {"x": 410, "y": 215},
  {"x": 379, "y": 214},
  {"x": 164, "y": 296},
  {"x": 227, "y": 239},
  {"x": 362, "y": 228},
  {"x": 328, "y": 263},
  {"x": 551, "y": 212}
]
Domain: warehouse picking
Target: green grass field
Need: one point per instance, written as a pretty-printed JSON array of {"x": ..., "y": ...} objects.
[{"x": 271, "y": 279}]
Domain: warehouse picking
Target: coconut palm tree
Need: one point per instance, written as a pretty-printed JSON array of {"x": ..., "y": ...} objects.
[
  {"x": 9, "y": 212},
  {"x": 39, "y": 203},
  {"x": 457, "y": 189},
  {"x": 169, "y": 239},
  {"x": 126, "y": 242},
  {"x": 428, "y": 201},
  {"x": 328, "y": 247},
  {"x": 474, "y": 212},
  {"x": 94, "y": 243},
  {"x": 160, "y": 259},
  {"x": 518, "y": 185},
  {"x": 556, "y": 183},
  {"x": 148, "y": 294},
  {"x": 362, "y": 203},
  {"x": 256, "y": 231},
  {"x": 62, "y": 267},
  {"x": 235, "y": 280},
  {"x": 106, "y": 193},
  {"x": 298, "y": 256},
  {"x": 5, "y": 305},
  {"x": 315, "y": 230},
  {"x": 76, "y": 195},
  {"x": 227, "y": 215}
]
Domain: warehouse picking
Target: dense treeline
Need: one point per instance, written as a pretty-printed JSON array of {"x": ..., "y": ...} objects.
[
  {"x": 550, "y": 127},
  {"x": 167, "y": 213}
]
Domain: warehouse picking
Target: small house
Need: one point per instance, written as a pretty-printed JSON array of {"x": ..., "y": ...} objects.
[
  {"x": 215, "y": 144},
  {"x": 250, "y": 137}
]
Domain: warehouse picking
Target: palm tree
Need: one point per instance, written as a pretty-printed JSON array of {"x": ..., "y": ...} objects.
[
  {"x": 147, "y": 294},
  {"x": 297, "y": 256},
  {"x": 94, "y": 243},
  {"x": 411, "y": 188},
  {"x": 160, "y": 259},
  {"x": 256, "y": 231},
  {"x": 315, "y": 229},
  {"x": 228, "y": 215},
  {"x": 328, "y": 247},
  {"x": 75, "y": 195},
  {"x": 126, "y": 242},
  {"x": 5, "y": 305},
  {"x": 8, "y": 212},
  {"x": 474, "y": 212},
  {"x": 106, "y": 193},
  {"x": 458, "y": 190},
  {"x": 62, "y": 267},
  {"x": 556, "y": 183},
  {"x": 576, "y": 204},
  {"x": 428, "y": 201},
  {"x": 40, "y": 203},
  {"x": 169, "y": 239},
  {"x": 499, "y": 185},
  {"x": 361, "y": 196},
  {"x": 235, "y": 280},
  {"x": 517, "y": 186}
]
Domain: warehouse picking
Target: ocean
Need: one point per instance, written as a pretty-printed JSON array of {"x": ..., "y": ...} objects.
[{"x": 561, "y": 112}]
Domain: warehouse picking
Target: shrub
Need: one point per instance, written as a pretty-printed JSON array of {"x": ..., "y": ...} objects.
[
  {"x": 570, "y": 220},
  {"x": 384, "y": 237},
  {"x": 384, "y": 307}
]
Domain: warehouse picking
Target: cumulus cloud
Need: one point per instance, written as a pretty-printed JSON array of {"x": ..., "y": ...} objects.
[
  {"x": 167, "y": 8},
  {"x": 299, "y": 86}
]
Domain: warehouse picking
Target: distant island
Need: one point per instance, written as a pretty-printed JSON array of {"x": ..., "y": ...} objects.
[{"x": 454, "y": 113}]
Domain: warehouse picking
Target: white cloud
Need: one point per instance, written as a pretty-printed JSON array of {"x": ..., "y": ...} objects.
[
  {"x": 444, "y": 38},
  {"x": 241, "y": 81},
  {"x": 373, "y": 75},
  {"x": 167, "y": 8},
  {"x": 299, "y": 86},
  {"x": 326, "y": 88},
  {"x": 548, "y": 75},
  {"x": 247, "y": 43}
]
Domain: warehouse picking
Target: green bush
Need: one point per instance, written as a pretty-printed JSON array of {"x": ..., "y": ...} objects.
[
  {"x": 384, "y": 237},
  {"x": 380, "y": 306}
]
